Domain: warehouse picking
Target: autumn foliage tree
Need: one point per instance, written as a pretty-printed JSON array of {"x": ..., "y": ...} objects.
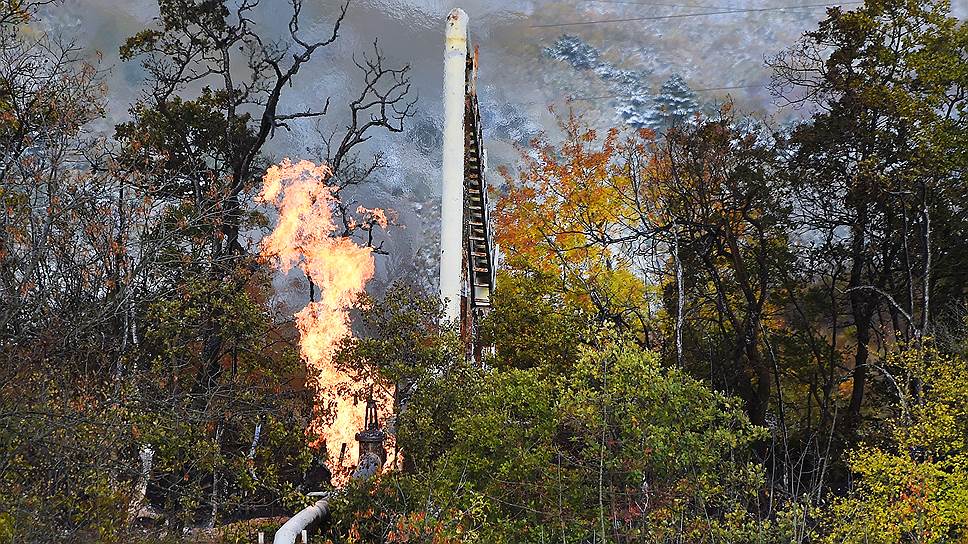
[
  {"x": 693, "y": 210},
  {"x": 726, "y": 332},
  {"x": 62, "y": 300},
  {"x": 564, "y": 218}
]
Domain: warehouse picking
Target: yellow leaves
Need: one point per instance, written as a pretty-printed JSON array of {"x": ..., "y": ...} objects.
[
  {"x": 562, "y": 201},
  {"x": 897, "y": 499},
  {"x": 844, "y": 388},
  {"x": 917, "y": 490},
  {"x": 569, "y": 211}
]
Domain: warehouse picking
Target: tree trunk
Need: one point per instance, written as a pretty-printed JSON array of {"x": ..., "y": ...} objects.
[
  {"x": 861, "y": 313},
  {"x": 760, "y": 401}
]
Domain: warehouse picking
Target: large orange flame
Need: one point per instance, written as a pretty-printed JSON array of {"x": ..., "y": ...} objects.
[{"x": 304, "y": 237}]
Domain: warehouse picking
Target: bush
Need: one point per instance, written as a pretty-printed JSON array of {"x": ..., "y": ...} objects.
[{"x": 618, "y": 445}]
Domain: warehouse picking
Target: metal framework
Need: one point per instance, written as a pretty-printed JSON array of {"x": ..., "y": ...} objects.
[
  {"x": 466, "y": 247},
  {"x": 479, "y": 265},
  {"x": 477, "y": 237}
]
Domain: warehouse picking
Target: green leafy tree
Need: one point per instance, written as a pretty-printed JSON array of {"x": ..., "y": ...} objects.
[
  {"x": 404, "y": 349},
  {"x": 214, "y": 96},
  {"x": 246, "y": 451},
  {"x": 616, "y": 450},
  {"x": 914, "y": 487},
  {"x": 531, "y": 325},
  {"x": 878, "y": 168}
]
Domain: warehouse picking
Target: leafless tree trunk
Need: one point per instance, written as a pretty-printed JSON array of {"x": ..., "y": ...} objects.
[{"x": 680, "y": 296}]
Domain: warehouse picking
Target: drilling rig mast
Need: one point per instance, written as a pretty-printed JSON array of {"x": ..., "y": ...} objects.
[{"x": 467, "y": 267}]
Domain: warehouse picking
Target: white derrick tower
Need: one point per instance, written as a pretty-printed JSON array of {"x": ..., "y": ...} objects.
[{"x": 466, "y": 255}]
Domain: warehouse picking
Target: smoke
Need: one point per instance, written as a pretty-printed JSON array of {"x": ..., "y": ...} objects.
[{"x": 517, "y": 80}]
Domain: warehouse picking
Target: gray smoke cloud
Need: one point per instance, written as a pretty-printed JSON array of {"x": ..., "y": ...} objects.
[{"x": 519, "y": 79}]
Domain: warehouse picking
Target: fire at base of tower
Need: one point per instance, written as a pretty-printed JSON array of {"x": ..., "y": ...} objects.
[{"x": 305, "y": 237}]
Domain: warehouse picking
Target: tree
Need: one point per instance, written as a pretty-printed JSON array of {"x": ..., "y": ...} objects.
[
  {"x": 532, "y": 325},
  {"x": 716, "y": 190},
  {"x": 565, "y": 218},
  {"x": 617, "y": 450},
  {"x": 603, "y": 221},
  {"x": 912, "y": 488},
  {"x": 674, "y": 105},
  {"x": 879, "y": 163},
  {"x": 214, "y": 97},
  {"x": 246, "y": 451},
  {"x": 64, "y": 296},
  {"x": 404, "y": 350},
  {"x": 206, "y": 153}
]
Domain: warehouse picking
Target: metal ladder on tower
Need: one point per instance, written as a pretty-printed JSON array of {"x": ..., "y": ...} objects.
[{"x": 478, "y": 237}]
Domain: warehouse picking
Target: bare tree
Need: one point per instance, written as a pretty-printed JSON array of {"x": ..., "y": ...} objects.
[
  {"x": 215, "y": 95},
  {"x": 64, "y": 291}
]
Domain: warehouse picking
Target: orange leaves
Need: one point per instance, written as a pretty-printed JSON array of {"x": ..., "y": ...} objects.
[
  {"x": 569, "y": 210},
  {"x": 416, "y": 527},
  {"x": 597, "y": 211}
]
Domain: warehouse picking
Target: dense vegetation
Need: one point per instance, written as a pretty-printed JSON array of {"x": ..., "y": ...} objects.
[{"x": 722, "y": 331}]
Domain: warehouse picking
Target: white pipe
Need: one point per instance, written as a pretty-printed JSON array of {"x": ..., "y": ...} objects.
[
  {"x": 452, "y": 193},
  {"x": 307, "y": 517},
  {"x": 137, "y": 504}
]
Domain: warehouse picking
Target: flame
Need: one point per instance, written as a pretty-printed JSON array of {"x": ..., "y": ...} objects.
[
  {"x": 374, "y": 216},
  {"x": 304, "y": 237}
]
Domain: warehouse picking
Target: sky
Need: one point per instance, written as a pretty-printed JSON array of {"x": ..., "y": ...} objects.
[{"x": 643, "y": 41}]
